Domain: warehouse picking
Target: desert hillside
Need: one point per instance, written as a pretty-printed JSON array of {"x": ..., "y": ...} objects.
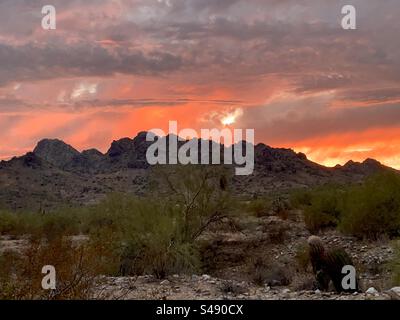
[
  {"x": 131, "y": 231},
  {"x": 55, "y": 173}
]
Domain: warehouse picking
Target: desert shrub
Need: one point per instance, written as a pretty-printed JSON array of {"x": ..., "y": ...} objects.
[
  {"x": 324, "y": 210},
  {"x": 9, "y": 223},
  {"x": 77, "y": 266},
  {"x": 154, "y": 242},
  {"x": 300, "y": 198},
  {"x": 198, "y": 193},
  {"x": 52, "y": 225},
  {"x": 258, "y": 207},
  {"x": 146, "y": 233},
  {"x": 368, "y": 210},
  {"x": 373, "y": 209},
  {"x": 154, "y": 234},
  {"x": 157, "y": 234},
  {"x": 40, "y": 224},
  {"x": 158, "y": 259},
  {"x": 112, "y": 214},
  {"x": 19, "y": 223}
]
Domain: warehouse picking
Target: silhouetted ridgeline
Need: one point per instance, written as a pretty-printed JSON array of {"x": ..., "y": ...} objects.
[{"x": 57, "y": 173}]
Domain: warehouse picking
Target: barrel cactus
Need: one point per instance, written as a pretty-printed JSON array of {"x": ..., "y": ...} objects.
[{"x": 328, "y": 264}]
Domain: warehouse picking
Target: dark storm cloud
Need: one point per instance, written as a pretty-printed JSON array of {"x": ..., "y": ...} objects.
[
  {"x": 306, "y": 122},
  {"x": 36, "y": 62},
  {"x": 371, "y": 95},
  {"x": 234, "y": 39},
  {"x": 217, "y": 43}
]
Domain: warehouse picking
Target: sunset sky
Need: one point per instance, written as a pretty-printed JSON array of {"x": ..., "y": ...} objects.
[{"x": 286, "y": 68}]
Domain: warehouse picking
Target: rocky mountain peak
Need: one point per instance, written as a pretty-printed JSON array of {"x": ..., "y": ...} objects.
[
  {"x": 140, "y": 137},
  {"x": 92, "y": 153},
  {"x": 372, "y": 162},
  {"x": 367, "y": 167},
  {"x": 120, "y": 147},
  {"x": 55, "y": 152}
]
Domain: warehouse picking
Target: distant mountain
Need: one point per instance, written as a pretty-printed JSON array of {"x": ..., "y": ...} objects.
[
  {"x": 55, "y": 152},
  {"x": 56, "y": 173}
]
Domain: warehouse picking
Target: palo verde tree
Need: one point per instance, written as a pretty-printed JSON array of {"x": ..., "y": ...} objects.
[{"x": 202, "y": 195}]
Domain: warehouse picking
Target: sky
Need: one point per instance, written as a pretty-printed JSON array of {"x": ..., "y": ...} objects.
[{"x": 285, "y": 68}]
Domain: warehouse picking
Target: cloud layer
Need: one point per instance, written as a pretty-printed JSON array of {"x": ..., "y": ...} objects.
[{"x": 284, "y": 67}]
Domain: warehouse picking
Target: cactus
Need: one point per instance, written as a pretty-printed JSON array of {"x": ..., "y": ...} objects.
[
  {"x": 336, "y": 259},
  {"x": 327, "y": 264}
]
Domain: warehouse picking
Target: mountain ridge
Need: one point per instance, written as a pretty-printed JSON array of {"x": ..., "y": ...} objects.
[
  {"x": 55, "y": 172},
  {"x": 130, "y": 145}
]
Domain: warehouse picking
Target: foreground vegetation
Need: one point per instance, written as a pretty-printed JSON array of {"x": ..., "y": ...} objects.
[
  {"x": 131, "y": 236},
  {"x": 159, "y": 234},
  {"x": 369, "y": 210}
]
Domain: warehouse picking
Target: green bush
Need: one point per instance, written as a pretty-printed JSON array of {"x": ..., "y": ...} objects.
[
  {"x": 259, "y": 207},
  {"x": 52, "y": 225},
  {"x": 150, "y": 239},
  {"x": 157, "y": 234},
  {"x": 9, "y": 223},
  {"x": 324, "y": 209},
  {"x": 112, "y": 214},
  {"x": 197, "y": 192},
  {"x": 154, "y": 234},
  {"x": 367, "y": 210},
  {"x": 300, "y": 198},
  {"x": 373, "y": 208},
  {"x": 49, "y": 225}
]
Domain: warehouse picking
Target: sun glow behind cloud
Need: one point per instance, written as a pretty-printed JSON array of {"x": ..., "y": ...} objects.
[
  {"x": 83, "y": 90},
  {"x": 231, "y": 117}
]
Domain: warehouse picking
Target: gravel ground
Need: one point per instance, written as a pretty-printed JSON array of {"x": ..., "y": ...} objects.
[{"x": 208, "y": 288}]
